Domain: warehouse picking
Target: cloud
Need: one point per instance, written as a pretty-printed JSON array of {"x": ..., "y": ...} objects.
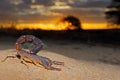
[
  {"x": 33, "y": 9},
  {"x": 83, "y": 3},
  {"x": 5, "y": 6},
  {"x": 7, "y": 11},
  {"x": 96, "y": 3},
  {"x": 86, "y": 10},
  {"x": 45, "y": 2},
  {"x": 15, "y": 2}
]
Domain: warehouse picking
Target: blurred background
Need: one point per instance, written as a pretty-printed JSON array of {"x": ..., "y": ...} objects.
[
  {"x": 75, "y": 20},
  {"x": 84, "y": 34}
]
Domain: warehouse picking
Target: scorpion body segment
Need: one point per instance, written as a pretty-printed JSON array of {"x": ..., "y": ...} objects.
[{"x": 39, "y": 60}]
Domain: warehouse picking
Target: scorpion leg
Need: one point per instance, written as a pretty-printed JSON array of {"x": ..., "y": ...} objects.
[
  {"x": 24, "y": 64},
  {"x": 52, "y": 68},
  {"x": 22, "y": 61},
  {"x": 8, "y": 57},
  {"x": 58, "y": 63},
  {"x": 57, "y": 69},
  {"x": 34, "y": 63},
  {"x": 48, "y": 66}
]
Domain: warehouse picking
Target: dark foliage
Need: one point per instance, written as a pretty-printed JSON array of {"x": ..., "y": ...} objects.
[
  {"x": 113, "y": 12},
  {"x": 74, "y": 20}
]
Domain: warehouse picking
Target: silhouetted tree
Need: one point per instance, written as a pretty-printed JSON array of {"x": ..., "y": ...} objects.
[
  {"x": 113, "y": 13},
  {"x": 74, "y": 21}
]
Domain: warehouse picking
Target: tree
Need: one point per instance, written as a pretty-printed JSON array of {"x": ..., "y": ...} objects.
[
  {"x": 113, "y": 13},
  {"x": 74, "y": 21}
]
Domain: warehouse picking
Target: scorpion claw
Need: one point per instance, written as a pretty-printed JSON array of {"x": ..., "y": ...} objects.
[{"x": 8, "y": 57}]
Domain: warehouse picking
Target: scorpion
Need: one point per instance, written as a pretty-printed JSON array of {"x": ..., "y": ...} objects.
[{"x": 31, "y": 55}]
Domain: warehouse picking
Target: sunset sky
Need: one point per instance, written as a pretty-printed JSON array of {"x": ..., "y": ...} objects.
[{"x": 89, "y": 12}]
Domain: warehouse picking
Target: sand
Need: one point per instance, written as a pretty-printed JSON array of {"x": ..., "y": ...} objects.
[{"x": 82, "y": 62}]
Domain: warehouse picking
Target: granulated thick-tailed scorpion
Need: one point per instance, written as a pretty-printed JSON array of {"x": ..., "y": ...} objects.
[{"x": 31, "y": 55}]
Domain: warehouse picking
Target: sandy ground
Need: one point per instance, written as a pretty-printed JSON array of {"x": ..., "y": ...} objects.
[{"x": 82, "y": 62}]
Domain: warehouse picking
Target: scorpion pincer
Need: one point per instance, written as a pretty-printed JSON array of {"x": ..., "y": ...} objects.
[{"x": 31, "y": 55}]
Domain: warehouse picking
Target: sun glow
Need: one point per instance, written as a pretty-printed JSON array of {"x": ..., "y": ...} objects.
[
  {"x": 61, "y": 26},
  {"x": 46, "y": 26},
  {"x": 87, "y": 26},
  {"x": 57, "y": 26}
]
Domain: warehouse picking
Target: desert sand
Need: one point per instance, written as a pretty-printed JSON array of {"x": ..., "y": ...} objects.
[{"x": 82, "y": 62}]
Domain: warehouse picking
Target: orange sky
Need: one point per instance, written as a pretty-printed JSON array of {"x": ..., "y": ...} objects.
[
  {"x": 60, "y": 26},
  {"x": 32, "y": 13}
]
